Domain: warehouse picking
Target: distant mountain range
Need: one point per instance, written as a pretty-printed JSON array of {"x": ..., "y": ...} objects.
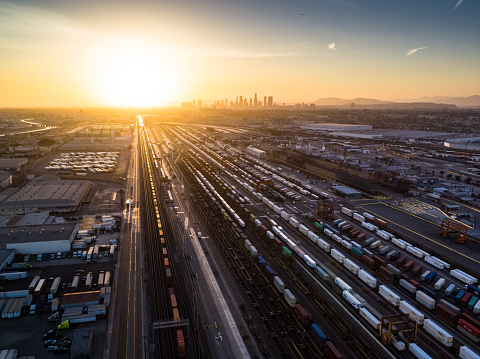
[{"x": 423, "y": 102}]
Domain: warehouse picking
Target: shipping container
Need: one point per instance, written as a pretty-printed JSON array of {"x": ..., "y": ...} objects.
[
  {"x": 431, "y": 277},
  {"x": 438, "y": 333},
  {"x": 470, "y": 331},
  {"x": 349, "y": 297},
  {"x": 290, "y": 298},
  {"x": 278, "y": 283},
  {"x": 417, "y": 270},
  {"x": 379, "y": 261},
  {"x": 407, "y": 287},
  {"x": 370, "y": 280},
  {"x": 425, "y": 300},
  {"x": 302, "y": 314},
  {"x": 459, "y": 296},
  {"x": 464, "y": 277},
  {"x": 408, "y": 266},
  {"x": 332, "y": 352},
  {"x": 343, "y": 286},
  {"x": 470, "y": 319},
  {"x": 385, "y": 273},
  {"x": 418, "y": 352},
  {"x": 472, "y": 302},
  {"x": 369, "y": 262},
  {"x": 397, "y": 272},
  {"x": 439, "y": 284},
  {"x": 446, "y": 314},
  {"x": 401, "y": 261},
  {"x": 322, "y": 274},
  {"x": 319, "y": 337},
  {"x": 351, "y": 266},
  {"x": 449, "y": 290},
  {"x": 413, "y": 312},
  {"x": 370, "y": 318},
  {"x": 269, "y": 272},
  {"x": 389, "y": 295},
  {"x": 467, "y": 353},
  {"x": 339, "y": 257},
  {"x": 428, "y": 291}
]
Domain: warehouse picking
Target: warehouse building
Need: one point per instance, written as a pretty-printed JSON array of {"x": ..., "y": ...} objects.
[
  {"x": 81, "y": 299},
  {"x": 6, "y": 257},
  {"x": 336, "y": 127},
  {"x": 47, "y": 195},
  {"x": 49, "y": 238},
  {"x": 347, "y": 192},
  {"x": 82, "y": 343},
  {"x": 5, "y": 179},
  {"x": 12, "y": 163}
]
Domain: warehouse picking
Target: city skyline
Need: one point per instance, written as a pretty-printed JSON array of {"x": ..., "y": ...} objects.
[{"x": 109, "y": 53}]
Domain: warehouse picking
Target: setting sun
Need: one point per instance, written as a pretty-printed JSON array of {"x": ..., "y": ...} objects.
[{"x": 136, "y": 77}]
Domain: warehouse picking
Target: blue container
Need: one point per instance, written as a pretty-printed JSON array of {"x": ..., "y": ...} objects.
[
  {"x": 269, "y": 272},
  {"x": 431, "y": 277},
  {"x": 356, "y": 245},
  {"x": 459, "y": 296},
  {"x": 428, "y": 291},
  {"x": 322, "y": 274},
  {"x": 474, "y": 290},
  {"x": 318, "y": 334},
  {"x": 262, "y": 261}
]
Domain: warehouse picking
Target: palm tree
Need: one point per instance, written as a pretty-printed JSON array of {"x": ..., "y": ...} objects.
[
  {"x": 458, "y": 178},
  {"x": 442, "y": 173}
]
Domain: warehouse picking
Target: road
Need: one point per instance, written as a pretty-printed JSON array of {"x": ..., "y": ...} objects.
[{"x": 129, "y": 335}]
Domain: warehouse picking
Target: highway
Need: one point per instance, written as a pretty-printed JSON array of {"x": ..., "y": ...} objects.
[{"x": 129, "y": 336}]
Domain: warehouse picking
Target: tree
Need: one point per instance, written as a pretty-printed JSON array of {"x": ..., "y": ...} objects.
[
  {"x": 442, "y": 173},
  {"x": 458, "y": 178},
  {"x": 468, "y": 180},
  {"x": 449, "y": 175},
  {"x": 46, "y": 142},
  {"x": 433, "y": 173}
]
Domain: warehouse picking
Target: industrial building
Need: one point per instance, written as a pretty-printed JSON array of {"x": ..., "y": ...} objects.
[
  {"x": 47, "y": 195},
  {"x": 6, "y": 257},
  {"x": 82, "y": 343},
  {"x": 81, "y": 299},
  {"x": 49, "y": 238},
  {"x": 336, "y": 127},
  {"x": 347, "y": 192},
  {"x": 12, "y": 163},
  {"x": 255, "y": 152}
]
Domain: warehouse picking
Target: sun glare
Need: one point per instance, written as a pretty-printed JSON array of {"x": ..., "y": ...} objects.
[{"x": 136, "y": 77}]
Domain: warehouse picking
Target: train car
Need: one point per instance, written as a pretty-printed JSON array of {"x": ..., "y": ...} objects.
[{"x": 181, "y": 344}]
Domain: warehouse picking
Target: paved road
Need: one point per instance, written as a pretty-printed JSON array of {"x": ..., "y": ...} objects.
[{"x": 128, "y": 334}]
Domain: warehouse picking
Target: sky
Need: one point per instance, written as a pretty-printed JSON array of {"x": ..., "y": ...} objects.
[{"x": 159, "y": 53}]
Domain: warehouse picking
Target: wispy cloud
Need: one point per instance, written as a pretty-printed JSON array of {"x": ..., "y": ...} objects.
[
  {"x": 458, "y": 4},
  {"x": 412, "y": 51},
  {"x": 332, "y": 46}
]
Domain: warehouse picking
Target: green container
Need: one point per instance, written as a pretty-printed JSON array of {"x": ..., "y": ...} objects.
[
  {"x": 472, "y": 303},
  {"x": 286, "y": 252},
  {"x": 319, "y": 226},
  {"x": 357, "y": 251}
]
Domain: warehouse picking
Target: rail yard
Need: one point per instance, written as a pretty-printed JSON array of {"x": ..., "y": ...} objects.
[{"x": 255, "y": 255}]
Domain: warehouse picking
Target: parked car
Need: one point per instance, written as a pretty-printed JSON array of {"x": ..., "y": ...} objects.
[{"x": 26, "y": 258}]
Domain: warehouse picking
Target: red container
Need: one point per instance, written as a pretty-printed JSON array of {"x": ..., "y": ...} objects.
[
  {"x": 361, "y": 236},
  {"x": 347, "y": 227},
  {"x": 469, "y": 328},
  {"x": 181, "y": 344},
  {"x": 385, "y": 273},
  {"x": 401, "y": 260},
  {"x": 471, "y": 320},
  {"x": 263, "y": 229},
  {"x": 405, "y": 277},
  {"x": 369, "y": 262},
  {"x": 408, "y": 266},
  {"x": 302, "y": 314},
  {"x": 447, "y": 315},
  {"x": 381, "y": 222},
  {"x": 278, "y": 242},
  {"x": 166, "y": 263},
  {"x": 332, "y": 352},
  {"x": 415, "y": 283},
  {"x": 379, "y": 261},
  {"x": 465, "y": 299},
  {"x": 416, "y": 270},
  {"x": 354, "y": 233}
]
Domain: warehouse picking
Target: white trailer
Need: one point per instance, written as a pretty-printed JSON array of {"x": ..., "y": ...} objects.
[
  {"x": 370, "y": 280},
  {"x": 418, "y": 352},
  {"x": 467, "y": 353},
  {"x": 464, "y": 277},
  {"x": 278, "y": 283},
  {"x": 351, "y": 299},
  {"x": 339, "y": 257},
  {"x": 434, "y": 262},
  {"x": 347, "y": 211},
  {"x": 370, "y": 318},
  {"x": 424, "y": 299},
  {"x": 438, "y": 333},
  {"x": 289, "y": 297},
  {"x": 294, "y": 222},
  {"x": 390, "y": 296},
  {"x": 352, "y": 267},
  {"x": 303, "y": 229},
  {"x": 324, "y": 245},
  {"x": 413, "y": 312}
]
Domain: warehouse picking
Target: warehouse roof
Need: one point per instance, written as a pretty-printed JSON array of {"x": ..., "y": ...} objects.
[
  {"x": 12, "y": 163},
  {"x": 81, "y": 297},
  {"x": 346, "y": 190},
  {"x": 44, "y": 233},
  {"x": 4, "y": 254},
  {"x": 82, "y": 339}
]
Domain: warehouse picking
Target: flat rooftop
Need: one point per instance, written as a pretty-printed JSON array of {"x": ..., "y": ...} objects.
[
  {"x": 82, "y": 338},
  {"x": 4, "y": 253},
  {"x": 47, "y": 194},
  {"x": 44, "y": 233},
  {"x": 346, "y": 190}
]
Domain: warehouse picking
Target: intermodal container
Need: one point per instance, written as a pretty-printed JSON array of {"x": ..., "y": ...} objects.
[
  {"x": 465, "y": 299},
  {"x": 379, "y": 261},
  {"x": 393, "y": 255},
  {"x": 427, "y": 290},
  {"x": 269, "y": 272},
  {"x": 449, "y": 290},
  {"x": 361, "y": 236},
  {"x": 384, "y": 250},
  {"x": 424, "y": 275},
  {"x": 332, "y": 352},
  {"x": 414, "y": 283},
  {"x": 322, "y": 274},
  {"x": 407, "y": 287},
  {"x": 459, "y": 296},
  {"x": 451, "y": 307},
  {"x": 367, "y": 252},
  {"x": 319, "y": 337},
  {"x": 385, "y": 273},
  {"x": 471, "y": 320},
  {"x": 302, "y": 314},
  {"x": 408, "y": 266},
  {"x": 416, "y": 270},
  {"x": 469, "y": 330},
  {"x": 394, "y": 270},
  {"x": 473, "y": 289},
  {"x": 358, "y": 253},
  {"x": 401, "y": 261},
  {"x": 431, "y": 277},
  {"x": 404, "y": 276},
  {"x": 446, "y": 314},
  {"x": 369, "y": 262},
  {"x": 262, "y": 261},
  {"x": 286, "y": 252},
  {"x": 472, "y": 303}
]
